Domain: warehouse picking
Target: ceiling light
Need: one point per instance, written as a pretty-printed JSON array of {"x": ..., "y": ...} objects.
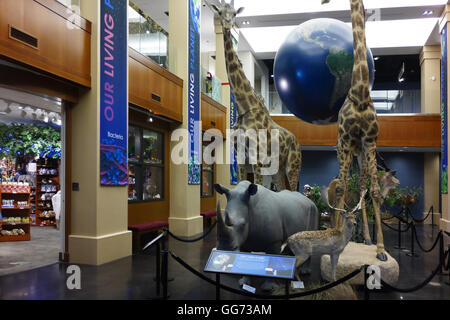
[
  {"x": 376, "y": 58},
  {"x": 20, "y": 107},
  {"x": 428, "y": 12},
  {"x": 246, "y": 23},
  {"x": 150, "y": 118}
]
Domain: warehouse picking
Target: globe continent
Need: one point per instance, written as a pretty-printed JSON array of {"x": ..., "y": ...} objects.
[{"x": 313, "y": 69}]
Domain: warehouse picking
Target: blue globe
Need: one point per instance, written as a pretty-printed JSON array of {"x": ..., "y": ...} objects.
[{"x": 313, "y": 69}]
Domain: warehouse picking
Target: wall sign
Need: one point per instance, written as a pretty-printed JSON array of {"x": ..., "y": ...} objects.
[
  {"x": 444, "y": 112},
  {"x": 113, "y": 92},
  {"x": 194, "y": 93}
]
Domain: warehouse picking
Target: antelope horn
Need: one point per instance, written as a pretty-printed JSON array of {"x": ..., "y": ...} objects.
[
  {"x": 324, "y": 194},
  {"x": 358, "y": 206}
]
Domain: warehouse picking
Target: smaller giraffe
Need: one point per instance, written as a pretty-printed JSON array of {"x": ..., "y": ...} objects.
[{"x": 254, "y": 115}]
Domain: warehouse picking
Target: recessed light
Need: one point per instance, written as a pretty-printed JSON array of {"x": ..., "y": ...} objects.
[
  {"x": 428, "y": 12},
  {"x": 376, "y": 58},
  {"x": 246, "y": 23}
]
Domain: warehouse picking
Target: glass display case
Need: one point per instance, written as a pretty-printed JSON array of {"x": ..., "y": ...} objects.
[{"x": 146, "y": 165}]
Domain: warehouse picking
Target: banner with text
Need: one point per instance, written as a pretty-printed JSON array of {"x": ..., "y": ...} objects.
[
  {"x": 113, "y": 91},
  {"x": 444, "y": 113},
  {"x": 194, "y": 93}
]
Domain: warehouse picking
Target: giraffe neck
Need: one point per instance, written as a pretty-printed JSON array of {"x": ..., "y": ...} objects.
[
  {"x": 242, "y": 90},
  {"x": 360, "y": 88}
]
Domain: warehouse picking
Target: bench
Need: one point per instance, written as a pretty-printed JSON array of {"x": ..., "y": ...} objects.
[
  {"x": 207, "y": 217},
  {"x": 140, "y": 229}
]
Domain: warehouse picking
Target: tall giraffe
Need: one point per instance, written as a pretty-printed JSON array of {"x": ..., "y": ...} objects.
[
  {"x": 358, "y": 126},
  {"x": 253, "y": 114}
]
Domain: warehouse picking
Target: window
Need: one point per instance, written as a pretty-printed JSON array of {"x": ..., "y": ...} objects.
[
  {"x": 146, "y": 164},
  {"x": 207, "y": 180}
]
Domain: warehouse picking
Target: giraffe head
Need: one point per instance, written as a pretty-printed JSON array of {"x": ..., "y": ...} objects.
[{"x": 226, "y": 12}]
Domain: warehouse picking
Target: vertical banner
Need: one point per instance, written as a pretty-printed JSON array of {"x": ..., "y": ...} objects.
[
  {"x": 194, "y": 93},
  {"x": 444, "y": 112},
  {"x": 113, "y": 92},
  {"x": 234, "y": 178},
  {"x": 233, "y": 163}
]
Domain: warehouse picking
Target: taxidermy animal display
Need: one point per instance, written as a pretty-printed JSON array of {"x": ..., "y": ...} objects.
[
  {"x": 331, "y": 241},
  {"x": 253, "y": 114},
  {"x": 257, "y": 219},
  {"x": 388, "y": 181},
  {"x": 358, "y": 125}
]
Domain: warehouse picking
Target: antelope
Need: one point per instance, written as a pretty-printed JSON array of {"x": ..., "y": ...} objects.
[{"x": 331, "y": 241}]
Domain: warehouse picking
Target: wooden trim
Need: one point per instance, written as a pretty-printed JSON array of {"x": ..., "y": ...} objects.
[
  {"x": 37, "y": 83},
  {"x": 408, "y": 130},
  {"x": 154, "y": 66},
  {"x": 156, "y": 108},
  {"x": 214, "y": 103},
  {"x": 67, "y": 14}
]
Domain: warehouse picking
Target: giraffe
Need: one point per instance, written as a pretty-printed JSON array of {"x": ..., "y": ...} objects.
[
  {"x": 253, "y": 114},
  {"x": 358, "y": 126}
]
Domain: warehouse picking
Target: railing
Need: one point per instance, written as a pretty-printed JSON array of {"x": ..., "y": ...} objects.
[
  {"x": 211, "y": 85},
  {"x": 147, "y": 37},
  {"x": 385, "y": 102}
]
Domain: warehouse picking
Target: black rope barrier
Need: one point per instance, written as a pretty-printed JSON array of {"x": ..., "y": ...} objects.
[
  {"x": 420, "y": 245},
  {"x": 204, "y": 235},
  {"x": 397, "y": 230},
  {"x": 417, "y": 287},
  {"x": 426, "y": 217},
  {"x": 261, "y": 296}
]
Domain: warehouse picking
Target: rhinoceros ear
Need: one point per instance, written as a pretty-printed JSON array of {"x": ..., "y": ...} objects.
[
  {"x": 252, "y": 189},
  {"x": 221, "y": 189}
]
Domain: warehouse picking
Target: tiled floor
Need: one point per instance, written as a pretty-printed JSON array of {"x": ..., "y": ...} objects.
[{"x": 132, "y": 277}]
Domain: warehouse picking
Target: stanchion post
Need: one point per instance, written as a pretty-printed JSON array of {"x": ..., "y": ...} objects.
[
  {"x": 366, "y": 278},
  {"x": 286, "y": 287},
  {"x": 217, "y": 286},
  {"x": 448, "y": 263},
  {"x": 374, "y": 234},
  {"x": 399, "y": 232},
  {"x": 158, "y": 269},
  {"x": 412, "y": 253},
  {"x": 165, "y": 268}
]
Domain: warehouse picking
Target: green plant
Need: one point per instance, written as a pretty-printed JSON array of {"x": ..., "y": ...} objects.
[
  {"x": 18, "y": 139},
  {"x": 315, "y": 197}
]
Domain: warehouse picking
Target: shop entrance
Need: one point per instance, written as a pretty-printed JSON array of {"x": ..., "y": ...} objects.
[{"x": 32, "y": 173}]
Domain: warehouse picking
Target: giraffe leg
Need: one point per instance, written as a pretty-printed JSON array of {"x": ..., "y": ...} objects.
[
  {"x": 293, "y": 167},
  {"x": 242, "y": 172},
  {"x": 258, "y": 177},
  {"x": 362, "y": 182},
  {"x": 370, "y": 153},
  {"x": 345, "y": 157},
  {"x": 278, "y": 181}
]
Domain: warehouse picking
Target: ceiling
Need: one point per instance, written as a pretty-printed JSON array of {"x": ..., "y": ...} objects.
[{"x": 399, "y": 26}]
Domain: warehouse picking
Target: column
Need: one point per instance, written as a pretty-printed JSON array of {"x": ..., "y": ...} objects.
[
  {"x": 185, "y": 219},
  {"x": 430, "y": 62},
  {"x": 443, "y": 28},
  {"x": 99, "y": 214}
]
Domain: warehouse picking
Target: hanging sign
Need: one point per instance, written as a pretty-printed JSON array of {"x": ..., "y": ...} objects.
[
  {"x": 444, "y": 113},
  {"x": 194, "y": 93},
  {"x": 113, "y": 92}
]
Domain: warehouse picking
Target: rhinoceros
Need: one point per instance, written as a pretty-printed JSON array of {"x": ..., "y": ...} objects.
[{"x": 257, "y": 219}]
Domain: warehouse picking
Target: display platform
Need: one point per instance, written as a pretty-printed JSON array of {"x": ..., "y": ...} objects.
[{"x": 251, "y": 264}]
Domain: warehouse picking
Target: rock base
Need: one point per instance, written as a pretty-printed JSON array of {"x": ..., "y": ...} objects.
[{"x": 356, "y": 255}]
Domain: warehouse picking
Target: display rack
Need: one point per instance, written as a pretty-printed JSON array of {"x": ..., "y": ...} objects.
[
  {"x": 47, "y": 185},
  {"x": 15, "y": 210}
]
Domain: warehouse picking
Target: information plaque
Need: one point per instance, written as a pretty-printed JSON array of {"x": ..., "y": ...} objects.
[{"x": 251, "y": 264}]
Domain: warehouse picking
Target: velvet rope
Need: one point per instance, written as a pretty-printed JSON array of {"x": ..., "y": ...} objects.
[
  {"x": 261, "y": 296},
  {"x": 192, "y": 240}
]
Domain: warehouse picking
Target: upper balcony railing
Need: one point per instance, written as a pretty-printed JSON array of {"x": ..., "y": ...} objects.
[{"x": 147, "y": 37}]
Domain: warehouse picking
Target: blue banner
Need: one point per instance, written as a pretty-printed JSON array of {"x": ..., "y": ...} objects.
[
  {"x": 444, "y": 112},
  {"x": 233, "y": 163},
  {"x": 113, "y": 91},
  {"x": 194, "y": 93}
]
